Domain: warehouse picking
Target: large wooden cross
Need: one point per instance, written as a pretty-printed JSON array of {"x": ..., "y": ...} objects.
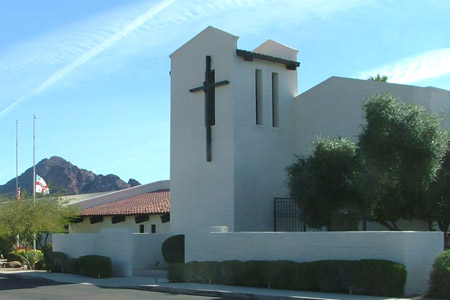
[{"x": 209, "y": 87}]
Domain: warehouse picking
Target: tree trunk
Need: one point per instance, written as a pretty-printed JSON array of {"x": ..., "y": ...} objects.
[{"x": 386, "y": 224}]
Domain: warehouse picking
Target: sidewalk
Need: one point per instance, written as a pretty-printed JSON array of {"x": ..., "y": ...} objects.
[{"x": 211, "y": 290}]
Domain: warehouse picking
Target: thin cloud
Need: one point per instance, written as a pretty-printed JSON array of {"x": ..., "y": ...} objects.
[
  {"x": 121, "y": 162},
  {"x": 67, "y": 49},
  {"x": 105, "y": 44},
  {"x": 430, "y": 64}
]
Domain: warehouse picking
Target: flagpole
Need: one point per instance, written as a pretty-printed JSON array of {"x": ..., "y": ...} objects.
[
  {"x": 34, "y": 158},
  {"x": 17, "y": 157},
  {"x": 17, "y": 173},
  {"x": 34, "y": 172}
]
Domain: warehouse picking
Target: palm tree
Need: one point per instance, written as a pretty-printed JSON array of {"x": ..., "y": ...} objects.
[{"x": 381, "y": 78}]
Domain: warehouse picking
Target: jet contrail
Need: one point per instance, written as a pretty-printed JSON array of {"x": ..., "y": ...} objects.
[{"x": 129, "y": 28}]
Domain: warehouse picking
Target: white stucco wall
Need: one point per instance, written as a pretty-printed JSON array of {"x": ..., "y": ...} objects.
[
  {"x": 147, "y": 251},
  {"x": 129, "y": 224},
  {"x": 334, "y": 108},
  {"x": 128, "y": 252},
  {"x": 114, "y": 244},
  {"x": 202, "y": 192},
  {"x": 417, "y": 250},
  {"x": 261, "y": 152},
  {"x": 76, "y": 245},
  {"x": 237, "y": 188}
]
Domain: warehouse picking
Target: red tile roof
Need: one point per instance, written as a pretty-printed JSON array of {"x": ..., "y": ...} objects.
[{"x": 157, "y": 202}]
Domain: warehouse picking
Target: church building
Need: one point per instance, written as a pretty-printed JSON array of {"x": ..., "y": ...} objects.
[{"x": 237, "y": 122}]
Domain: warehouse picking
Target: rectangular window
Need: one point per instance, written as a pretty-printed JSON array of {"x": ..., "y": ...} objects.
[
  {"x": 258, "y": 97},
  {"x": 141, "y": 228},
  {"x": 275, "y": 101},
  {"x": 153, "y": 228}
]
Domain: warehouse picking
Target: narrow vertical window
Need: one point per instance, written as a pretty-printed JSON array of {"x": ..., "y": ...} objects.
[
  {"x": 258, "y": 97},
  {"x": 153, "y": 228},
  {"x": 141, "y": 228},
  {"x": 275, "y": 101}
]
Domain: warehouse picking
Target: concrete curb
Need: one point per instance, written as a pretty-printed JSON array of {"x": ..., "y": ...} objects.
[
  {"x": 175, "y": 290},
  {"x": 222, "y": 294}
]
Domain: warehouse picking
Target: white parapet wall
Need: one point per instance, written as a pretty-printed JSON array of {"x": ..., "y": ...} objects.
[
  {"x": 129, "y": 252},
  {"x": 147, "y": 251},
  {"x": 416, "y": 250}
]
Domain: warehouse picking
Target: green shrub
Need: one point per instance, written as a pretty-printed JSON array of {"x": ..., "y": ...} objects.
[
  {"x": 194, "y": 272},
  {"x": 280, "y": 274},
  {"x": 366, "y": 277},
  {"x": 70, "y": 265},
  {"x": 40, "y": 265},
  {"x": 54, "y": 261},
  {"x": 440, "y": 277},
  {"x": 173, "y": 249},
  {"x": 305, "y": 276},
  {"x": 15, "y": 256},
  {"x": 31, "y": 257},
  {"x": 95, "y": 266},
  {"x": 230, "y": 272},
  {"x": 390, "y": 277},
  {"x": 335, "y": 275},
  {"x": 176, "y": 272},
  {"x": 6, "y": 244},
  {"x": 210, "y": 272},
  {"x": 254, "y": 273}
]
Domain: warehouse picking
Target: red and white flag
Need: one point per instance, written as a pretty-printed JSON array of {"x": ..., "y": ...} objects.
[
  {"x": 41, "y": 186},
  {"x": 18, "y": 192}
]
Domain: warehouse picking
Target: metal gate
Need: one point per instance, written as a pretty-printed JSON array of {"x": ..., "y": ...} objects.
[{"x": 287, "y": 215}]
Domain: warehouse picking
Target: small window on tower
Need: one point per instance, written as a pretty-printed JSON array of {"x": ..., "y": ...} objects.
[
  {"x": 141, "y": 228},
  {"x": 153, "y": 228},
  {"x": 258, "y": 97}
]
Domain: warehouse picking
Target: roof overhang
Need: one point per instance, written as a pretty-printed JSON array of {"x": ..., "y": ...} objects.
[{"x": 250, "y": 56}]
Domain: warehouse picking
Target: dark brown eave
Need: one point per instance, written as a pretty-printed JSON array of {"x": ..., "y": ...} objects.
[{"x": 249, "y": 56}]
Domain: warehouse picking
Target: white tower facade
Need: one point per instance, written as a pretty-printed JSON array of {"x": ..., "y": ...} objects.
[{"x": 231, "y": 129}]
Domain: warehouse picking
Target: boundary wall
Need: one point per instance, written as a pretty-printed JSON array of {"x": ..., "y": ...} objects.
[
  {"x": 417, "y": 250},
  {"x": 129, "y": 252}
]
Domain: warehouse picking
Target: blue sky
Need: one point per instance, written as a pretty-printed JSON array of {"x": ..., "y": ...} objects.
[{"x": 96, "y": 73}]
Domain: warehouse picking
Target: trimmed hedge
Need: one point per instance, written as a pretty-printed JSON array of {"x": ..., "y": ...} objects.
[
  {"x": 70, "y": 265},
  {"x": 364, "y": 277},
  {"x": 94, "y": 266},
  {"x": 440, "y": 277},
  {"x": 173, "y": 249},
  {"x": 90, "y": 265},
  {"x": 54, "y": 261}
]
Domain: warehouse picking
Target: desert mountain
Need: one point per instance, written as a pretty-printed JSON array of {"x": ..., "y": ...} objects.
[{"x": 65, "y": 178}]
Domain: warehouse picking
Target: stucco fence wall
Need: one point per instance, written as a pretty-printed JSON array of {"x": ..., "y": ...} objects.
[
  {"x": 416, "y": 250},
  {"x": 129, "y": 252}
]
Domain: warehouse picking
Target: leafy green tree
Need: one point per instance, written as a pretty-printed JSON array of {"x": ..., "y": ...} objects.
[
  {"x": 403, "y": 146},
  {"x": 325, "y": 185},
  {"x": 379, "y": 77},
  {"x": 438, "y": 199},
  {"x": 6, "y": 243},
  {"x": 26, "y": 217}
]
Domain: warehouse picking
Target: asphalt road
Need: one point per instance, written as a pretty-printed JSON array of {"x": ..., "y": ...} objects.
[{"x": 34, "y": 289}]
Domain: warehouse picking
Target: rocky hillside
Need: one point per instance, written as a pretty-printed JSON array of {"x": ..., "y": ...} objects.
[{"x": 63, "y": 177}]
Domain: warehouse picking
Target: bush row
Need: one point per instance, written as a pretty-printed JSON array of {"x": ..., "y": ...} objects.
[
  {"x": 364, "y": 277},
  {"x": 90, "y": 265}
]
